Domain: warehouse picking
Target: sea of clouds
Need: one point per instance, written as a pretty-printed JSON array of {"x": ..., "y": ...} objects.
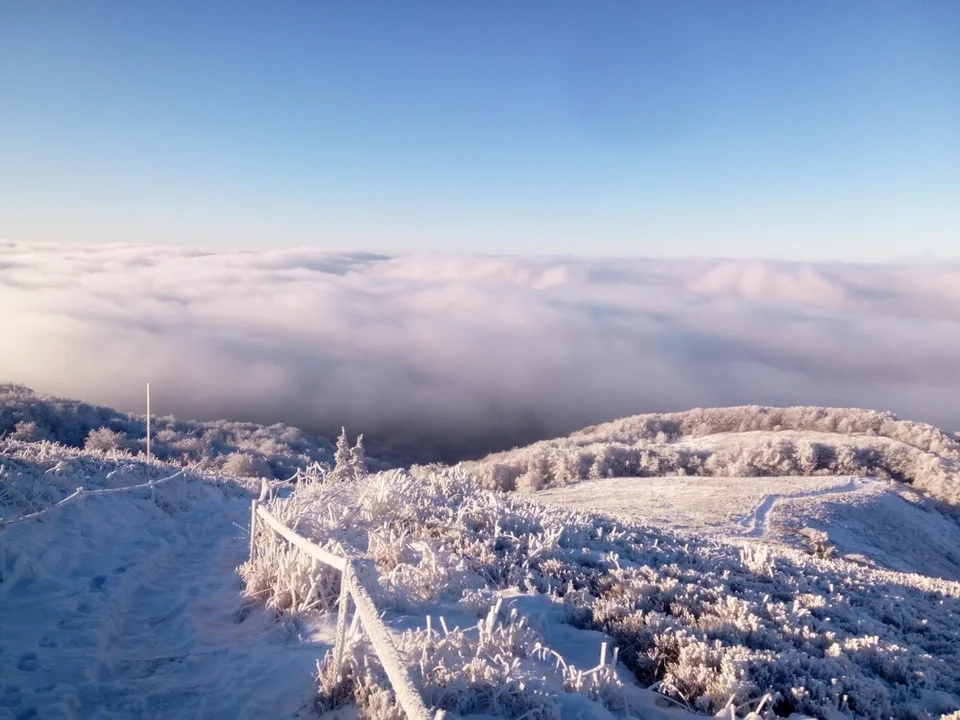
[{"x": 455, "y": 355}]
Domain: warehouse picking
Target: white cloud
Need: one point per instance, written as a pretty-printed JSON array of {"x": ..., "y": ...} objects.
[{"x": 463, "y": 353}]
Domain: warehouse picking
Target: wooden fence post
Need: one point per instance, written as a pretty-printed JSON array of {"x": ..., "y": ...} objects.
[
  {"x": 341, "y": 622},
  {"x": 80, "y": 503},
  {"x": 148, "y": 423},
  {"x": 253, "y": 529}
]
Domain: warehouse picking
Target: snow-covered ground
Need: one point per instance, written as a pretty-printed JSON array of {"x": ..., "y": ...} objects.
[
  {"x": 865, "y": 520},
  {"x": 727, "y": 506},
  {"x": 130, "y": 607}
]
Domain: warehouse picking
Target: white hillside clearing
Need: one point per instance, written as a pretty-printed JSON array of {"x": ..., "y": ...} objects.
[
  {"x": 870, "y": 521},
  {"x": 729, "y": 506}
]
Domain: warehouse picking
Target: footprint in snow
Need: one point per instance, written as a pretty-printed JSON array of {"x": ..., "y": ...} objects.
[
  {"x": 97, "y": 583},
  {"x": 28, "y": 662},
  {"x": 47, "y": 642},
  {"x": 11, "y": 696}
]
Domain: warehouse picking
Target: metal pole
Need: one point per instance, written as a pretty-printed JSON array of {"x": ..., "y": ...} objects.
[
  {"x": 3, "y": 558},
  {"x": 148, "y": 422}
]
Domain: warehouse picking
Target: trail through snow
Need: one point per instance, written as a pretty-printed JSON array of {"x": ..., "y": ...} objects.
[
  {"x": 756, "y": 524},
  {"x": 728, "y": 506},
  {"x": 120, "y": 609},
  {"x": 867, "y": 520}
]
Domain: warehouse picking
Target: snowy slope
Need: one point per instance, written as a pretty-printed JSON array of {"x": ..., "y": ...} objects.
[{"x": 745, "y": 485}]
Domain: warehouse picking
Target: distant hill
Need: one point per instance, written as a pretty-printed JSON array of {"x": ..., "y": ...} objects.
[
  {"x": 740, "y": 441},
  {"x": 239, "y": 448}
]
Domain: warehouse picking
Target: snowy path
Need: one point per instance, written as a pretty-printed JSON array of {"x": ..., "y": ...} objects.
[
  {"x": 141, "y": 617},
  {"x": 735, "y": 507},
  {"x": 757, "y": 523}
]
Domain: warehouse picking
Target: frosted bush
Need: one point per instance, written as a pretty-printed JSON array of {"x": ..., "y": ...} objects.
[
  {"x": 245, "y": 465},
  {"x": 29, "y": 432},
  {"x": 288, "y": 581},
  {"x": 818, "y": 542},
  {"x": 105, "y": 439}
]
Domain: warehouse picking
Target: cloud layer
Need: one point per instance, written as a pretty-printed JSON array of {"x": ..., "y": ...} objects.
[{"x": 457, "y": 355}]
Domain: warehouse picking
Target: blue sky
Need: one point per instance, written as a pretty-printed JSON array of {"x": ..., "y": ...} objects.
[{"x": 802, "y": 130}]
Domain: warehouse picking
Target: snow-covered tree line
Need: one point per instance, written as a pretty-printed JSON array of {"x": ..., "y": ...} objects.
[{"x": 747, "y": 418}]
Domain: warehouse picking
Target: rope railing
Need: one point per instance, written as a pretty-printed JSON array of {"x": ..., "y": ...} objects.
[
  {"x": 353, "y": 588},
  {"x": 78, "y": 494}
]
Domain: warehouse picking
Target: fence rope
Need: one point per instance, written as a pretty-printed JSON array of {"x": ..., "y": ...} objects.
[
  {"x": 80, "y": 491},
  {"x": 77, "y": 495},
  {"x": 353, "y": 571}
]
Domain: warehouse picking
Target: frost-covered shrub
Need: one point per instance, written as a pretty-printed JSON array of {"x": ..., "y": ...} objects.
[
  {"x": 245, "y": 465},
  {"x": 708, "y": 421},
  {"x": 105, "y": 440},
  {"x": 288, "y": 581},
  {"x": 818, "y": 543},
  {"x": 29, "y": 431},
  {"x": 498, "y": 477}
]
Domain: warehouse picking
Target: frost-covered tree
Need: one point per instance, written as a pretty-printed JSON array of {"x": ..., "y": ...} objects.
[
  {"x": 537, "y": 475},
  {"x": 358, "y": 459},
  {"x": 343, "y": 468}
]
